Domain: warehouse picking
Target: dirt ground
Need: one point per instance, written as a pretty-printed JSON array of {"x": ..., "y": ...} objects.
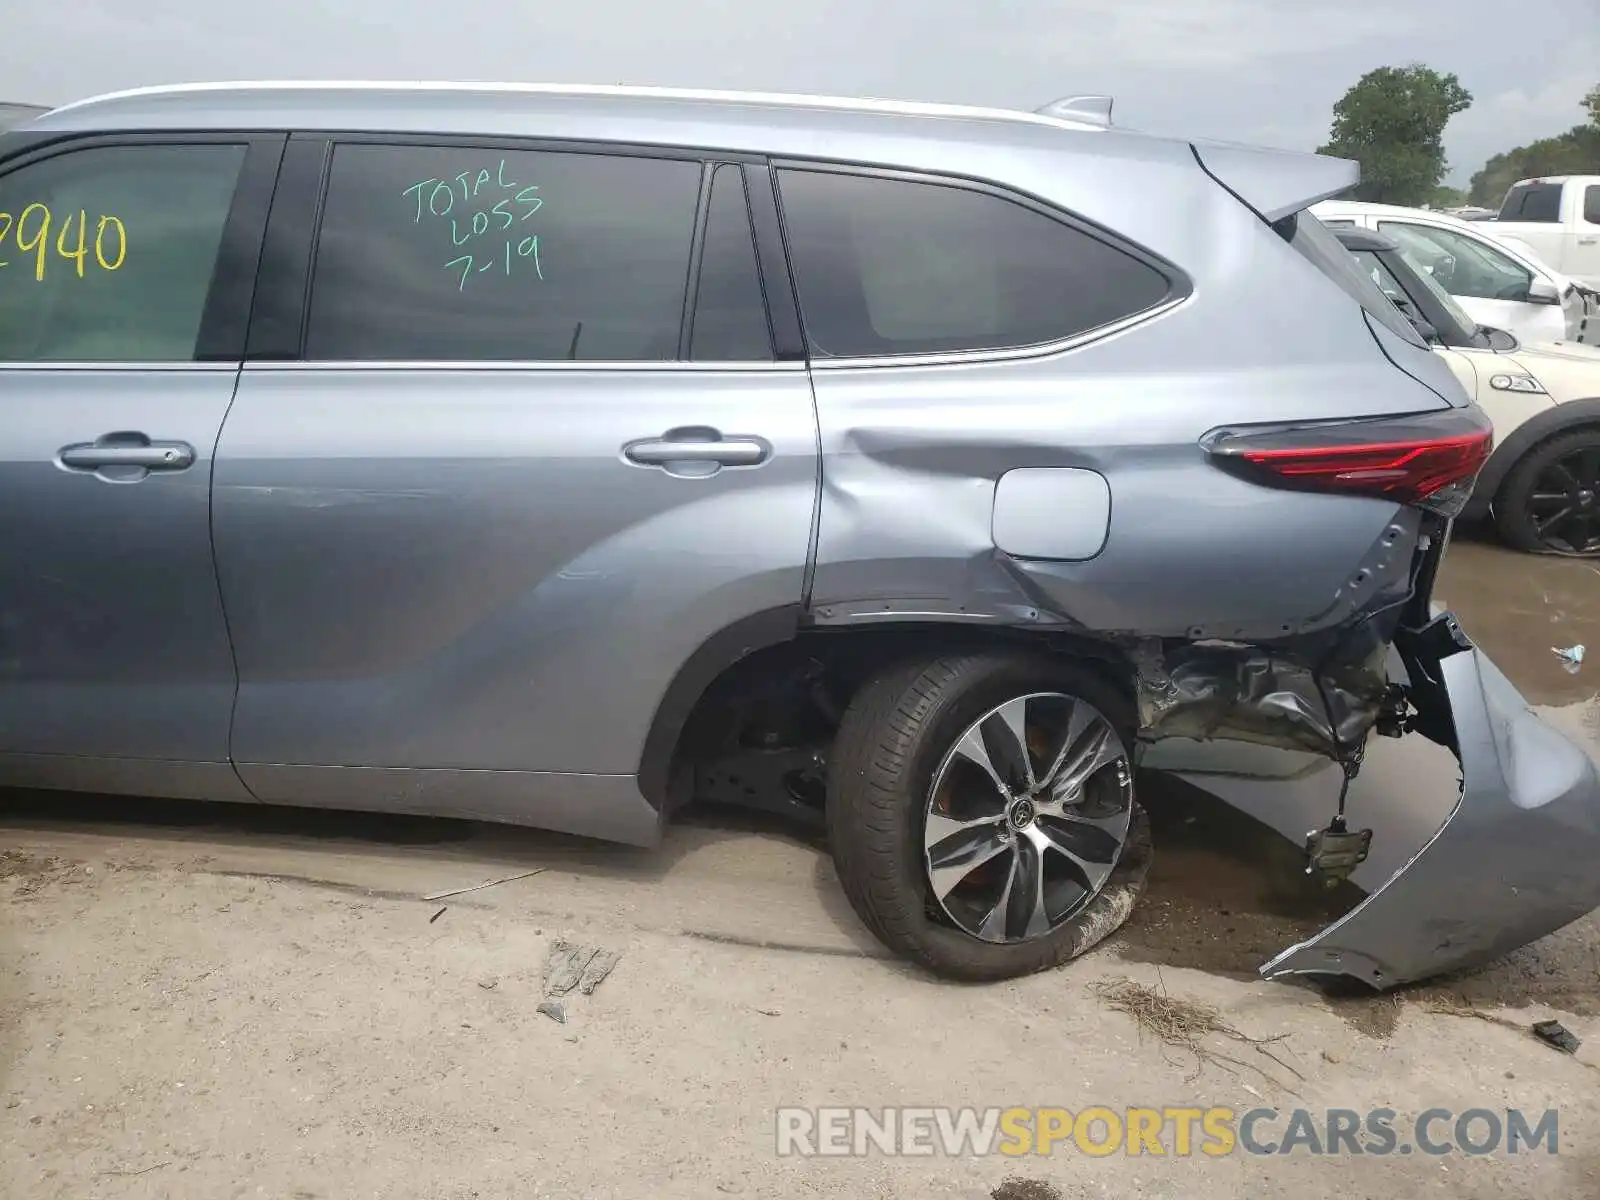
[{"x": 236, "y": 1001}]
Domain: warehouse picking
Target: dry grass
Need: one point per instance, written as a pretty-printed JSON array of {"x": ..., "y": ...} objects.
[{"x": 1186, "y": 1025}]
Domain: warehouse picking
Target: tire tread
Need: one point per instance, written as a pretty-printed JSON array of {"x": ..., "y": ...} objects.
[{"x": 874, "y": 755}]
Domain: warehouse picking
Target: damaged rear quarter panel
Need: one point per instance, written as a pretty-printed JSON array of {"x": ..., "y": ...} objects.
[
  {"x": 906, "y": 524},
  {"x": 912, "y": 453}
]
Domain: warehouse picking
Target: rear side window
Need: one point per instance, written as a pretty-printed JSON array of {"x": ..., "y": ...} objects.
[
  {"x": 107, "y": 253},
  {"x": 893, "y": 267},
  {"x": 1461, "y": 265},
  {"x": 1325, "y": 252},
  {"x": 1537, "y": 202},
  {"x": 1591, "y": 204},
  {"x": 450, "y": 253}
]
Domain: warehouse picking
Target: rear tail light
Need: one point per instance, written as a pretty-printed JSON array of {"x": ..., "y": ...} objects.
[{"x": 1428, "y": 460}]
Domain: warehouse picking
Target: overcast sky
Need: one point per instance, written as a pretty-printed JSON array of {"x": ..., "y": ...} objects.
[{"x": 1266, "y": 71}]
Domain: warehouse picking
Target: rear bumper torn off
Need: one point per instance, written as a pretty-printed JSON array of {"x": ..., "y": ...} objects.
[{"x": 1518, "y": 857}]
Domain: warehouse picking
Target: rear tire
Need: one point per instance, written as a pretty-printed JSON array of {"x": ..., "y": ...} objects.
[
  {"x": 1559, "y": 476},
  {"x": 1076, "y": 839}
]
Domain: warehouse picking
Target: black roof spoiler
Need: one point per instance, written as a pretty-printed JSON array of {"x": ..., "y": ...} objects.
[{"x": 1364, "y": 239}]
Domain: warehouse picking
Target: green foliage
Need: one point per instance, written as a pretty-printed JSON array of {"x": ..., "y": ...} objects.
[
  {"x": 1392, "y": 122},
  {"x": 1576, "y": 152},
  {"x": 1592, "y": 103},
  {"x": 1448, "y": 197}
]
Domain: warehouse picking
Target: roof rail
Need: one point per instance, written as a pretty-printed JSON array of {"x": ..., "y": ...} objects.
[{"x": 1094, "y": 110}]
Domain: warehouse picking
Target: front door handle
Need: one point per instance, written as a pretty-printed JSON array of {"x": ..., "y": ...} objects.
[
  {"x": 697, "y": 450},
  {"x": 133, "y": 450}
]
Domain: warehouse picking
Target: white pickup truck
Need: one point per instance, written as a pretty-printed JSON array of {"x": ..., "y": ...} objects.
[{"x": 1558, "y": 217}]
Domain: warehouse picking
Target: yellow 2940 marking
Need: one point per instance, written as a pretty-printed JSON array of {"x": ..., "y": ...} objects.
[{"x": 30, "y": 230}]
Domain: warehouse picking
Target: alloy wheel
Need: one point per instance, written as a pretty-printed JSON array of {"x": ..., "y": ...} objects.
[
  {"x": 1564, "y": 505},
  {"x": 1027, "y": 817}
]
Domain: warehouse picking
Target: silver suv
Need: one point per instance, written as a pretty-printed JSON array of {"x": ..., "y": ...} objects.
[{"x": 561, "y": 455}]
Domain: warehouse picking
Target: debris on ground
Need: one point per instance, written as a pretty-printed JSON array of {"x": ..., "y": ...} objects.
[
  {"x": 1182, "y": 1024},
  {"x": 33, "y": 873},
  {"x": 1017, "y": 1188},
  {"x": 488, "y": 883},
  {"x": 140, "y": 1171},
  {"x": 555, "y": 1010},
  {"x": 438, "y": 914},
  {"x": 1571, "y": 657},
  {"x": 570, "y": 965},
  {"x": 1555, "y": 1034}
]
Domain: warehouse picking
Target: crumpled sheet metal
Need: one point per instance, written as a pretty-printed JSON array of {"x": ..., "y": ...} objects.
[{"x": 1207, "y": 690}]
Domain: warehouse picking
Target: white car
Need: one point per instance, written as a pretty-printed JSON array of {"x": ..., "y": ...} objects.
[
  {"x": 1542, "y": 481},
  {"x": 1500, "y": 283},
  {"x": 1558, "y": 217}
]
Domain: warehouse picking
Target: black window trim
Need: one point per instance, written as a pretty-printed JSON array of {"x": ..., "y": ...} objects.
[
  {"x": 772, "y": 257},
  {"x": 744, "y": 172},
  {"x": 225, "y": 318},
  {"x": 1179, "y": 286},
  {"x": 697, "y": 249},
  {"x": 283, "y": 297}
]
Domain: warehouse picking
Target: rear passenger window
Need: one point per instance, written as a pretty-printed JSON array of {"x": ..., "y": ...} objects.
[
  {"x": 107, "y": 254},
  {"x": 1591, "y": 204},
  {"x": 1536, "y": 202},
  {"x": 730, "y": 315},
  {"x": 450, "y": 253},
  {"x": 891, "y": 266}
]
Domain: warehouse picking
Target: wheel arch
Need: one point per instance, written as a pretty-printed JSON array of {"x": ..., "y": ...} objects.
[
  {"x": 853, "y": 654},
  {"x": 1538, "y": 429}
]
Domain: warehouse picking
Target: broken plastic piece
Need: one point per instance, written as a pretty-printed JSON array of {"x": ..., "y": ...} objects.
[
  {"x": 599, "y": 967},
  {"x": 554, "y": 1010},
  {"x": 1513, "y": 861},
  {"x": 571, "y": 966},
  {"x": 1554, "y": 1033},
  {"x": 1571, "y": 657}
]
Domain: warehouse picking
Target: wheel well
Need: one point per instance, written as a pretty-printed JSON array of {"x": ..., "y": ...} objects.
[
  {"x": 791, "y": 695},
  {"x": 1532, "y": 436}
]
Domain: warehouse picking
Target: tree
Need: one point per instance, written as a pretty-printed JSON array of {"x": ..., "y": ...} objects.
[
  {"x": 1575, "y": 152},
  {"x": 1392, "y": 122}
]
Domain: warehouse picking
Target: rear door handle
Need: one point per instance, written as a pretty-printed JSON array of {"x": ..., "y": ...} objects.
[
  {"x": 697, "y": 445},
  {"x": 127, "y": 450}
]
